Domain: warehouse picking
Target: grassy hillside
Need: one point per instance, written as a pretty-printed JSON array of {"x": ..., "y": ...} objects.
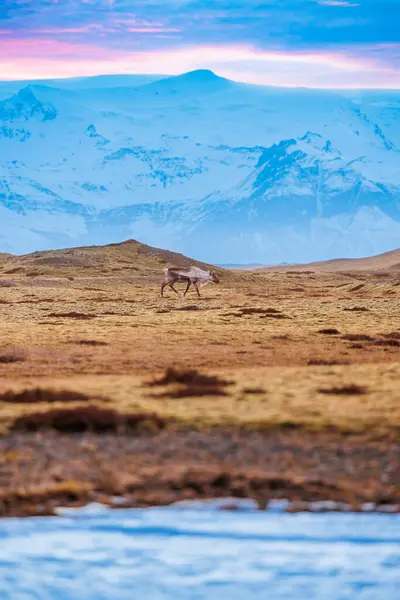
[
  {"x": 387, "y": 261},
  {"x": 125, "y": 258}
]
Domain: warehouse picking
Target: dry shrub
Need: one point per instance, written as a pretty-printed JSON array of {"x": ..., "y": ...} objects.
[
  {"x": 89, "y": 342},
  {"x": 192, "y": 383},
  {"x": 356, "y": 288},
  {"x": 88, "y": 418},
  {"x": 357, "y": 309},
  {"x": 321, "y": 362},
  {"x": 259, "y": 311},
  {"x": 345, "y": 390},
  {"x": 100, "y": 299},
  {"x": 329, "y": 331},
  {"x": 254, "y": 390},
  {"x": 274, "y": 316},
  {"x": 387, "y": 342},
  {"x": 193, "y": 390},
  {"x": 37, "y": 395},
  {"x": 357, "y": 337},
  {"x": 188, "y": 377},
  {"x": 12, "y": 356},
  {"x": 263, "y": 313},
  {"x": 14, "y": 270},
  {"x": 72, "y": 315},
  {"x": 189, "y": 307},
  {"x": 6, "y": 284},
  {"x": 394, "y": 335}
]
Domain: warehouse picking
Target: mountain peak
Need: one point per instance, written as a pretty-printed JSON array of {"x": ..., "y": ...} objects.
[
  {"x": 25, "y": 105},
  {"x": 201, "y": 75},
  {"x": 193, "y": 82},
  {"x": 26, "y": 95}
]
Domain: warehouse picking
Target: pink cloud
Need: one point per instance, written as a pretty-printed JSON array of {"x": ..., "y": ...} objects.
[
  {"x": 39, "y": 49},
  {"x": 50, "y": 58}
]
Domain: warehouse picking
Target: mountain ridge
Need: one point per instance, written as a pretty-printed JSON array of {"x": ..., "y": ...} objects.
[{"x": 225, "y": 171}]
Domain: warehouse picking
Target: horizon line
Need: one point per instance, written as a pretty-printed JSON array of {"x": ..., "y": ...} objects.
[{"x": 171, "y": 76}]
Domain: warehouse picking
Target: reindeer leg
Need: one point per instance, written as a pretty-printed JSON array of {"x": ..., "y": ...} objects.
[
  {"x": 187, "y": 288},
  {"x": 162, "y": 289},
  {"x": 196, "y": 285},
  {"x": 171, "y": 285}
]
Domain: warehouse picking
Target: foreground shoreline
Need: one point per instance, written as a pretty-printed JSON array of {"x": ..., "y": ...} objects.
[{"x": 311, "y": 471}]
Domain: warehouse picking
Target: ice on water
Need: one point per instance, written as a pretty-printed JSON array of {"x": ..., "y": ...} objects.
[{"x": 187, "y": 553}]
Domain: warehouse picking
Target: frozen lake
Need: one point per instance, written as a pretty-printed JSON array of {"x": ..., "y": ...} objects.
[{"x": 184, "y": 553}]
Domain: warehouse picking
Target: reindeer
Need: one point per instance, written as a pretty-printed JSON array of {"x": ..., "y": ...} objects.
[{"x": 192, "y": 276}]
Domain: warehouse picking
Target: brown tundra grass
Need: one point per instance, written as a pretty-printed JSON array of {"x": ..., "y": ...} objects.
[
  {"x": 225, "y": 391},
  {"x": 114, "y": 354}
]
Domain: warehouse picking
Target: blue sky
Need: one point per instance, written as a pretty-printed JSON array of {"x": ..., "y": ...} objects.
[{"x": 318, "y": 43}]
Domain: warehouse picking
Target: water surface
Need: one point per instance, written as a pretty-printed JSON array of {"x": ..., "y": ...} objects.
[{"x": 186, "y": 553}]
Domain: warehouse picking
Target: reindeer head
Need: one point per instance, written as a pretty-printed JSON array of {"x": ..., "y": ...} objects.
[{"x": 214, "y": 277}]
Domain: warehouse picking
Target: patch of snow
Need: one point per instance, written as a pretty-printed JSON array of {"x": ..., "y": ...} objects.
[{"x": 198, "y": 163}]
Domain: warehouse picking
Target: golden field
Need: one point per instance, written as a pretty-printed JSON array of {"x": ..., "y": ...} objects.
[{"x": 293, "y": 351}]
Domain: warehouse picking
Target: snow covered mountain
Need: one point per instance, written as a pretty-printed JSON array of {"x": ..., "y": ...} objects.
[{"x": 223, "y": 171}]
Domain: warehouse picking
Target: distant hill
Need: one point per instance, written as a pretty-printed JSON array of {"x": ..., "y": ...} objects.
[
  {"x": 241, "y": 267},
  {"x": 122, "y": 258},
  {"x": 387, "y": 261}
]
